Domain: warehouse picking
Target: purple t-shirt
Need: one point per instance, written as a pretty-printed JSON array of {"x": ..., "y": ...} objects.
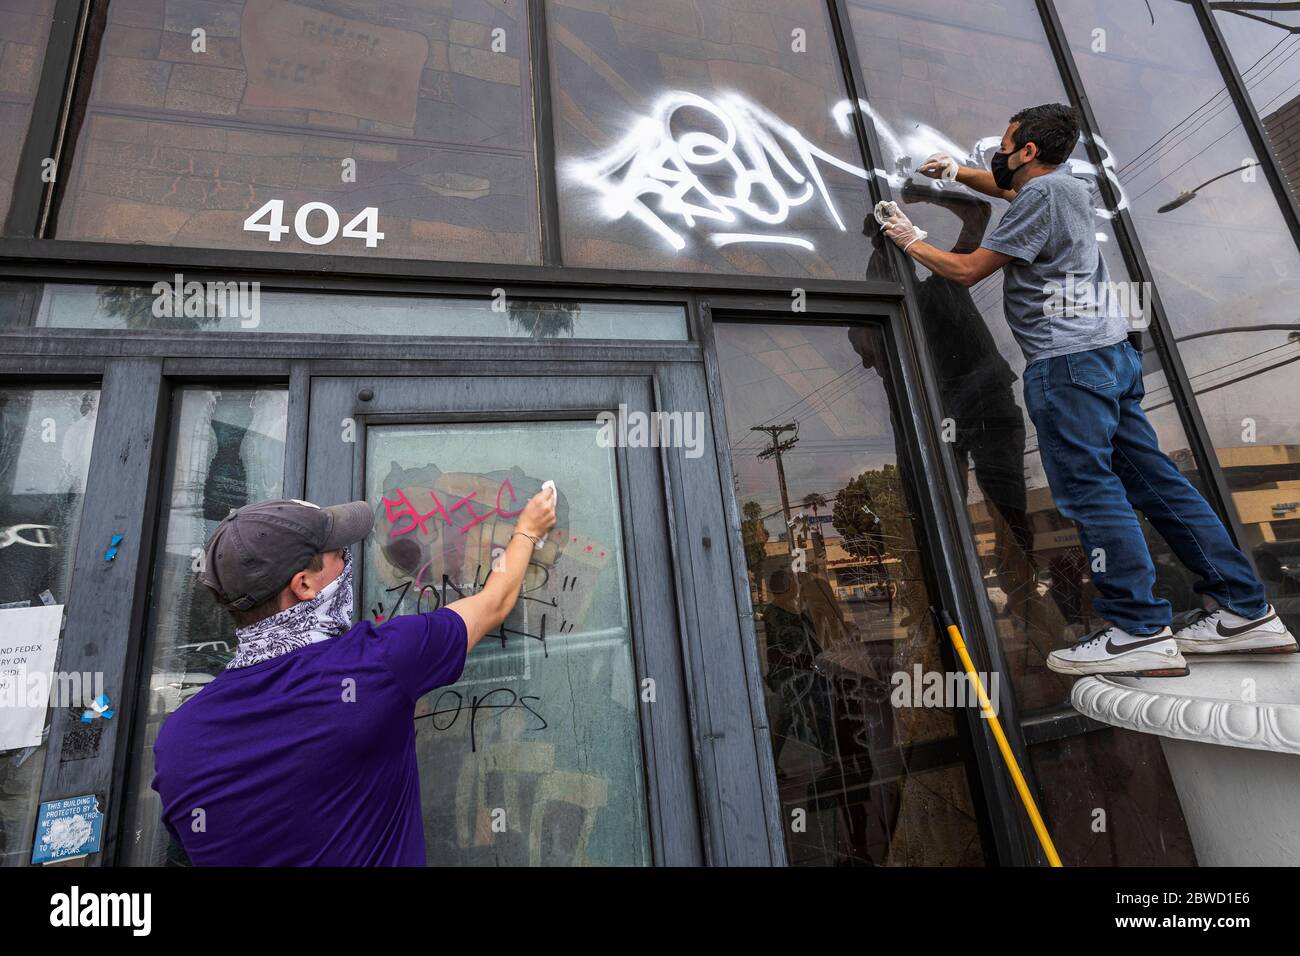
[{"x": 308, "y": 759}]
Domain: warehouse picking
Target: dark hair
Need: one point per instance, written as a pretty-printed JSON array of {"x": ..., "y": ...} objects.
[
  {"x": 1052, "y": 127},
  {"x": 260, "y": 612}
]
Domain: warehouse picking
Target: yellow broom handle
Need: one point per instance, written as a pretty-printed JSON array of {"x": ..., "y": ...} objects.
[{"x": 1008, "y": 757}]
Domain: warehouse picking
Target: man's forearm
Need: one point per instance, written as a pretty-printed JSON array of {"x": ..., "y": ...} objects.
[
  {"x": 502, "y": 587},
  {"x": 981, "y": 180},
  {"x": 964, "y": 268},
  {"x": 950, "y": 265},
  {"x": 487, "y": 610}
]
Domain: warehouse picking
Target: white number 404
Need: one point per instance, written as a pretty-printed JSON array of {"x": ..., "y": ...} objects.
[{"x": 365, "y": 225}]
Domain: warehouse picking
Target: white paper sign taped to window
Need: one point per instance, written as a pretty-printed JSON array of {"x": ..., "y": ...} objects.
[{"x": 29, "y": 643}]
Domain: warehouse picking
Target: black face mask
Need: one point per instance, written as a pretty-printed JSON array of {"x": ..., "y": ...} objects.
[{"x": 1002, "y": 174}]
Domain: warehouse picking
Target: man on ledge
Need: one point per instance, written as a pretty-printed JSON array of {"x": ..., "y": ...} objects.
[{"x": 1083, "y": 389}]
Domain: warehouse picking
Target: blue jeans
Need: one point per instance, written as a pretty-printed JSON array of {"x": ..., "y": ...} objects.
[{"x": 1101, "y": 456}]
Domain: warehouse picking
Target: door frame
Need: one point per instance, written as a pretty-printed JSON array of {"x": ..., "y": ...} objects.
[
  {"x": 678, "y": 819},
  {"x": 943, "y": 535}
]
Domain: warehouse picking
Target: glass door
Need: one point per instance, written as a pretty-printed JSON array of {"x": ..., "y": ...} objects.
[
  {"x": 864, "y": 704},
  {"x": 538, "y": 755}
]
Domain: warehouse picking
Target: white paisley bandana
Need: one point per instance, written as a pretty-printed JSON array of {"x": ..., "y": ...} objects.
[{"x": 326, "y": 615}]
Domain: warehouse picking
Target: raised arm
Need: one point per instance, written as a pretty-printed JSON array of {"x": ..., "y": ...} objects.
[
  {"x": 943, "y": 166},
  {"x": 964, "y": 268},
  {"x": 485, "y": 611}
]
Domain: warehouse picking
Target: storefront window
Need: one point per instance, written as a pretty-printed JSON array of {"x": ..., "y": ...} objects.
[
  {"x": 705, "y": 136},
  {"x": 226, "y": 450},
  {"x": 1263, "y": 42},
  {"x": 240, "y": 307},
  {"x": 947, "y": 77},
  {"x": 45, "y": 441},
  {"x": 24, "y": 29},
  {"x": 541, "y": 733},
  {"x": 840, "y": 601},
  {"x": 312, "y": 126},
  {"x": 1225, "y": 262}
]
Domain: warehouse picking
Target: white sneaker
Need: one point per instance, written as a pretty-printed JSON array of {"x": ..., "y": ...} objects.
[
  {"x": 1113, "y": 650},
  {"x": 1222, "y": 632}
]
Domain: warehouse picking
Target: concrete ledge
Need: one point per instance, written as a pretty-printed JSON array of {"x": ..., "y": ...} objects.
[{"x": 1251, "y": 702}]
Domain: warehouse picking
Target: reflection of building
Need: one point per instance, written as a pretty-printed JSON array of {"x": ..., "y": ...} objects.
[
  {"x": 1283, "y": 128},
  {"x": 851, "y": 576},
  {"x": 1264, "y": 490}
]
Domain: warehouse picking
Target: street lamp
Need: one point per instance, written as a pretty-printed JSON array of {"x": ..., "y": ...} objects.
[{"x": 1184, "y": 198}]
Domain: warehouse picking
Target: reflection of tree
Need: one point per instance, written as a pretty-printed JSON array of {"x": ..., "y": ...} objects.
[
  {"x": 869, "y": 512},
  {"x": 814, "y": 502},
  {"x": 545, "y": 320},
  {"x": 134, "y": 306},
  {"x": 754, "y": 533}
]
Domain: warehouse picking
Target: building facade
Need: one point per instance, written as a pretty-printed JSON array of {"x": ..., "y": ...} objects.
[{"x": 431, "y": 253}]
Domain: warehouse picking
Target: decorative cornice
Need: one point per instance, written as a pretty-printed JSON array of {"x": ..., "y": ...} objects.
[{"x": 1229, "y": 723}]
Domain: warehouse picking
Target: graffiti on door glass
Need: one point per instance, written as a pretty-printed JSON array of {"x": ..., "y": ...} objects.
[
  {"x": 533, "y": 757},
  {"x": 439, "y": 534}
]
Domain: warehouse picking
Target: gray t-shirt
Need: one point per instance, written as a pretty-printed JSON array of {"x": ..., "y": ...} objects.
[{"x": 1056, "y": 292}]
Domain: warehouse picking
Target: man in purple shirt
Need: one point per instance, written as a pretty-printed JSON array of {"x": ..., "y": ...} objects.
[{"x": 302, "y": 751}]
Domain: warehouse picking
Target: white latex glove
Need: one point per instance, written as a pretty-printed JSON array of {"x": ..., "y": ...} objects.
[
  {"x": 900, "y": 229},
  {"x": 940, "y": 166}
]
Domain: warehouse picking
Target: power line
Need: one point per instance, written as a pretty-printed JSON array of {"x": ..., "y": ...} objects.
[
  {"x": 845, "y": 389},
  {"x": 1226, "y": 106},
  {"x": 810, "y": 395},
  {"x": 1174, "y": 128}
]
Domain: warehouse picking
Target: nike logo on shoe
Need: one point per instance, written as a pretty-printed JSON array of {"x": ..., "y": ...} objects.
[
  {"x": 1113, "y": 648},
  {"x": 1234, "y": 631}
]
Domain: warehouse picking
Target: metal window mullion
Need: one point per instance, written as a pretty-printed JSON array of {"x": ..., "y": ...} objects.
[
  {"x": 548, "y": 202},
  {"x": 105, "y": 609},
  {"x": 949, "y": 533},
  {"x": 1180, "y": 386},
  {"x": 31, "y": 193},
  {"x": 1250, "y": 120}
]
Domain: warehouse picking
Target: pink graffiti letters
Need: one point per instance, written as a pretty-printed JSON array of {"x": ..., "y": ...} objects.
[{"x": 403, "y": 508}]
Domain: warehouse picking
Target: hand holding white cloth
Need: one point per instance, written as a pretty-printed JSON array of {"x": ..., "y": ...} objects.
[
  {"x": 940, "y": 166},
  {"x": 900, "y": 229}
]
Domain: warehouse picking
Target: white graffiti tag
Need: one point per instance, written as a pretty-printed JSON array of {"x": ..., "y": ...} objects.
[
  {"x": 39, "y": 539},
  {"x": 762, "y": 166},
  {"x": 903, "y": 152},
  {"x": 728, "y": 160}
]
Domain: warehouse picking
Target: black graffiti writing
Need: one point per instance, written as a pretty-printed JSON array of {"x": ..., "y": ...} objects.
[
  {"x": 438, "y": 598},
  {"x": 477, "y": 704}
]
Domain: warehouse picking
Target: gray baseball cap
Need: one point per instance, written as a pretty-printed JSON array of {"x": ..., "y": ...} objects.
[{"x": 256, "y": 550}]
